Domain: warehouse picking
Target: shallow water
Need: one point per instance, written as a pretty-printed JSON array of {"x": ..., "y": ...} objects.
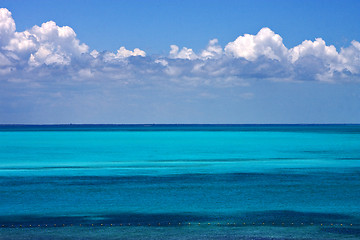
[{"x": 282, "y": 181}]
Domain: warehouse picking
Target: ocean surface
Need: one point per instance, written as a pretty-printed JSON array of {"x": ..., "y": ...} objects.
[{"x": 180, "y": 182}]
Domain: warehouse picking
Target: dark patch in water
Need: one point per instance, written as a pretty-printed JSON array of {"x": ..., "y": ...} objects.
[
  {"x": 343, "y": 231},
  {"x": 122, "y": 218},
  {"x": 241, "y": 178},
  {"x": 289, "y": 217},
  {"x": 134, "y": 219},
  {"x": 267, "y": 238},
  {"x": 176, "y": 178}
]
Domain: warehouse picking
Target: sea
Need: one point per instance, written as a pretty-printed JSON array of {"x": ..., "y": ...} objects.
[{"x": 152, "y": 181}]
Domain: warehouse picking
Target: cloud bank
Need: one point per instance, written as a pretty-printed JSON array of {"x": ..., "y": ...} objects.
[{"x": 53, "y": 53}]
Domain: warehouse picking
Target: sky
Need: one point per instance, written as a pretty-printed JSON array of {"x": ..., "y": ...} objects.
[{"x": 281, "y": 61}]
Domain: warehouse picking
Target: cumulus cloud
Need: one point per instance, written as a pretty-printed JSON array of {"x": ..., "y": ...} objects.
[
  {"x": 350, "y": 58},
  {"x": 54, "y": 52},
  {"x": 56, "y": 45},
  {"x": 122, "y": 53},
  {"x": 7, "y": 26},
  {"x": 47, "y": 44},
  {"x": 266, "y": 43},
  {"x": 184, "y": 53},
  {"x": 213, "y": 50}
]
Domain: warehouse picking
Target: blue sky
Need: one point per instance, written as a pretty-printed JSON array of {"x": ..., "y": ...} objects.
[
  {"x": 154, "y": 25},
  {"x": 179, "y": 62}
]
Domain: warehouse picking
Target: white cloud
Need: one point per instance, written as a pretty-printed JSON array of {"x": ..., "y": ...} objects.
[
  {"x": 123, "y": 53},
  {"x": 317, "y": 49},
  {"x": 22, "y": 42},
  {"x": 163, "y": 62},
  {"x": 50, "y": 51},
  {"x": 264, "y": 43},
  {"x": 7, "y": 26},
  {"x": 48, "y": 44},
  {"x": 48, "y": 55},
  {"x": 57, "y": 45},
  {"x": 184, "y": 53},
  {"x": 94, "y": 53},
  {"x": 213, "y": 50},
  {"x": 350, "y": 57}
]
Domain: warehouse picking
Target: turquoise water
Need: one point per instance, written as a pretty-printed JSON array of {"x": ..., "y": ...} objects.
[{"x": 227, "y": 181}]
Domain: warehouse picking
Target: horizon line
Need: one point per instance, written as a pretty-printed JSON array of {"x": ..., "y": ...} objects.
[{"x": 166, "y": 124}]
